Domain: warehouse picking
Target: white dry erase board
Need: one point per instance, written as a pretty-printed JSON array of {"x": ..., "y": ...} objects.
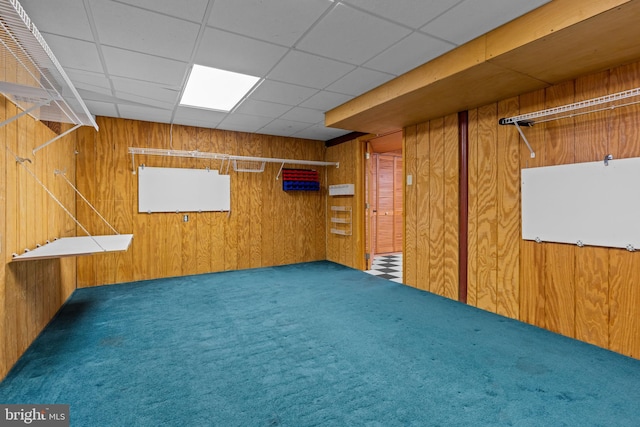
[
  {"x": 583, "y": 203},
  {"x": 182, "y": 190}
]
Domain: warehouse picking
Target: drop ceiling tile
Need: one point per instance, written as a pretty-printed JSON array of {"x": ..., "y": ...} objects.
[
  {"x": 143, "y": 31},
  {"x": 187, "y": 121},
  {"x": 198, "y": 117},
  {"x": 349, "y": 35},
  {"x": 282, "y": 93},
  {"x": 277, "y": 21},
  {"x": 101, "y": 95},
  {"x": 157, "y": 92},
  {"x": 409, "y": 53},
  {"x": 94, "y": 93},
  {"x": 193, "y": 10},
  {"x": 255, "y": 107},
  {"x": 359, "y": 81},
  {"x": 321, "y": 133},
  {"x": 283, "y": 127},
  {"x": 74, "y": 53},
  {"x": 88, "y": 80},
  {"x": 472, "y": 18},
  {"x": 62, "y": 17},
  {"x": 243, "y": 122},
  {"x": 309, "y": 70},
  {"x": 325, "y": 100},
  {"x": 304, "y": 115},
  {"x": 142, "y": 101},
  {"x": 105, "y": 109},
  {"x": 412, "y": 13},
  {"x": 147, "y": 114},
  {"x": 134, "y": 65},
  {"x": 221, "y": 49}
]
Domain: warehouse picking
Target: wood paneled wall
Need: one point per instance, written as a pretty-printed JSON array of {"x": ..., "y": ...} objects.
[
  {"x": 431, "y": 206},
  {"x": 31, "y": 291},
  {"x": 347, "y": 250},
  {"x": 590, "y": 293},
  {"x": 266, "y": 226}
]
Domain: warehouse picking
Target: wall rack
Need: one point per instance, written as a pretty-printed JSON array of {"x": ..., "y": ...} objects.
[
  {"x": 341, "y": 217},
  {"x": 607, "y": 102},
  {"x": 226, "y": 159},
  {"x": 40, "y": 88},
  {"x": 71, "y": 246}
]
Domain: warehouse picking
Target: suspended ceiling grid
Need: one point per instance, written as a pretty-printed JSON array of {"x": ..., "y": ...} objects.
[{"x": 130, "y": 58}]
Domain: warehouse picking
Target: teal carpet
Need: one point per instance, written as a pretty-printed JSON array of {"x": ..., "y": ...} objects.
[{"x": 313, "y": 344}]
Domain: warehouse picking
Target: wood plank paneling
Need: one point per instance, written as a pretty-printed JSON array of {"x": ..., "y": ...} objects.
[
  {"x": 410, "y": 197},
  {"x": 508, "y": 197},
  {"x": 532, "y": 255},
  {"x": 164, "y": 245},
  {"x": 487, "y": 181},
  {"x": 436, "y": 206},
  {"x": 560, "y": 272},
  {"x": 347, "y": 250},
  {"x": 31, "y": 292},
  {"x": 431, "y": 206},
  {"x": 422, "y": 212},
  {"x": 624, "y": 272},
  {"x": 4, "y": 257},
  {"x": 592, "y": 264},
  {"x": 451, "y": 210},
  {"x": 588, "y": 293},
  {"x": 472, "y": 226}
]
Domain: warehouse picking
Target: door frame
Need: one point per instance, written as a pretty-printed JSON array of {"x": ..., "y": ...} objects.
[{"x": 371, "y": 145}]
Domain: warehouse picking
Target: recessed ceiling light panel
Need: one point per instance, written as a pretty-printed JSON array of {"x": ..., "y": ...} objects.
[{"x": 216, "y": 89}]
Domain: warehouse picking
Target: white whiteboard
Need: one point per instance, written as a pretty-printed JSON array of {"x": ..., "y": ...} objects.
[
  {"x": 182, "y": 190},
  {"x": 583, "y": 203}
]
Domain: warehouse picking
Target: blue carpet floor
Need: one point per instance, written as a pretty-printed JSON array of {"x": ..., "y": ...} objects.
[{"x": 313, "y": 344}]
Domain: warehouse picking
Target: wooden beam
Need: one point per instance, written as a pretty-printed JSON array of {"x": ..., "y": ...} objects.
[{"x": 344, "y": 138}]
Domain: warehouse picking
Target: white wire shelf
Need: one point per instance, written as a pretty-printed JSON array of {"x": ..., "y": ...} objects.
[
  {"x": 38, "y": 85},
  {"x": 607, "y": 102},
  {"x": 228, "y": 158}
]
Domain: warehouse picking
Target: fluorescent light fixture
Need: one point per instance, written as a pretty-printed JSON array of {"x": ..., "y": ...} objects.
[{"x": 216, "y": 89}]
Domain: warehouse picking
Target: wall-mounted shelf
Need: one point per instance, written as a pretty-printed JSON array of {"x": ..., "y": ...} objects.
[
  {"x": 227, "y": 159},
  {"x": 607, "y": 102},
  {"x": 39, "y": 87},
  {"x": 76, "y": 246},
  {"x": 341, "y": 217}
]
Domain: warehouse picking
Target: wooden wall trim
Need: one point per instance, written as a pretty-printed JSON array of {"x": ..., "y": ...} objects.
[{"x": 463, "y": 139}]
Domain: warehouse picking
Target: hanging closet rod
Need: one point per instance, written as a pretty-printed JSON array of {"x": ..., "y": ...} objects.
[
  {"x": 217, "y": 156},
  {"x": 529, "y": 119}
]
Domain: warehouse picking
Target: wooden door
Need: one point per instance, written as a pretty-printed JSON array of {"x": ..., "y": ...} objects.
[
  {"x": 398, "y": 182},
  {"x": 388, "y": 204}
]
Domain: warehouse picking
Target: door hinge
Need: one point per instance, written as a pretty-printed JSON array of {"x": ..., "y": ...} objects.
[
  {"x": 366, "y": 205},
  {"x": 366, "y": 156},
  {"x": 367, "y": 256}
]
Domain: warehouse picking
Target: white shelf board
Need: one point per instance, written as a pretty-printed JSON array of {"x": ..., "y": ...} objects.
[{"x": 74, "y": 246}]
